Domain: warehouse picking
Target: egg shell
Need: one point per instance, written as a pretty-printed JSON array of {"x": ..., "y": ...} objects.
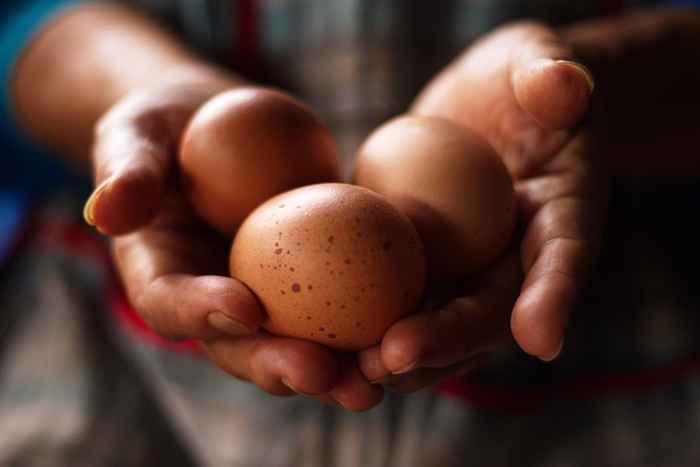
[
  {"x": 331, "y": 263},
  {"x": 245, "y": 146},
  {"x": 450, "y": 183}
]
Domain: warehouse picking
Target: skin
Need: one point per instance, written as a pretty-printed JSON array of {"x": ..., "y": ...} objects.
[
  {"x": 510, "y": 87},
  {"x": 556, "y": 163}
]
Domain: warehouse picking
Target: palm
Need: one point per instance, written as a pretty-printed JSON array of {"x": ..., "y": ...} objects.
[
  {"x": 509, "y": 88},
  {"x": 175, "y": 268},
  {"x": 179, "y": 237}
]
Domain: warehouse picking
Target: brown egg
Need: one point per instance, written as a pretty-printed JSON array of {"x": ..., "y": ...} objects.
[
  {"x": 245, "y": 146},
  {"x": 331, "y": 263},
  {"x": 450, "y": 183}
]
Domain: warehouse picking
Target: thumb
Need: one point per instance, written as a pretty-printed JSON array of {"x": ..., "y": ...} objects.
[
  {"x": 131, "y": 163},
  {"x": 548, "y": 83},
  {"x": 133, "y": 154}
]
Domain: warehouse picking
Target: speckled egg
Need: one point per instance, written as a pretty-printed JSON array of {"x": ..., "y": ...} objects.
[{"x": 332, "y": 263}]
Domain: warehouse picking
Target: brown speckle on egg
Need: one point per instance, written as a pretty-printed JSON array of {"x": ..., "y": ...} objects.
[{"x": 337, "y": 297}]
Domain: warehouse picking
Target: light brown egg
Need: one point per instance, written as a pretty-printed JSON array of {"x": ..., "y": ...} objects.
[
  {"x": 245, "y": 146},
  {"x": 331, "y": 263},
  {"x": 450, "y": 183}
]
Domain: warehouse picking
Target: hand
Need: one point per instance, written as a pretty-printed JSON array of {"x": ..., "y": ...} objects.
[
  {"x": 519, "y": 88},
  {"x": 174, "y": 268}
]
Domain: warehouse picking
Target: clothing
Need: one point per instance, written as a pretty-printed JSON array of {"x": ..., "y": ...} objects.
[
  {"x": 77, "y": 390},
  {"x": 626, "y": 391},
  {"x": 32, "y": 173}
]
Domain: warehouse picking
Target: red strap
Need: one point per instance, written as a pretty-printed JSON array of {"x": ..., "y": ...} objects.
[{"x": 575, "y": 388}]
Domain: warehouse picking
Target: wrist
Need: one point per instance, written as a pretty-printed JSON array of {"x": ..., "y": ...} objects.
[{"x": 58, "y": 94}]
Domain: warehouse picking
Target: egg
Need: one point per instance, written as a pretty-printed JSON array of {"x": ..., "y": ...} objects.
[
  {"x": 332, "y": 263},
  {"x": 245, "y": 146},
  {"x": 450, "y": 183}
]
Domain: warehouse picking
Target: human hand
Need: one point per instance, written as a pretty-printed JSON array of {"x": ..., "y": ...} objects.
[
  {"x": 175, "y": 268},
  {"x": 519, "y": 89}
]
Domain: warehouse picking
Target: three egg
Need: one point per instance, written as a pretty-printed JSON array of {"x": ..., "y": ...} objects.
[{"x": 336, "y": 263}]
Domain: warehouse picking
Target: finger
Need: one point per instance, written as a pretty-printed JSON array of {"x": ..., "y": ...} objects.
[
  {"x": 466, "y": 326},
  {"x": 132, "y": 162},
  {"x": 325, "y": 399},
  {"x": 518, "y": 88},
  {"x": 370, "y": 363},
  {"x": 133, "y": 155},
  {"x": 182, "y": 306},
  {"x": 547, "y": 82},
  {"x": 558, "y": 252},
  {"x": 164, "y": 284},
  {"x": 426, "y": 377},
  {"x": 353, "y": 391},
  {"x": 279, "y": 366},
  {"x": 559, "y": 247},
  {"x": 575, "y": 172}
]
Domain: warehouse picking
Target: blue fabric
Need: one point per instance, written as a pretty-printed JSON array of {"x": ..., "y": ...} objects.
[
  {"x": 13, "y": 207},
  {"x": 26, "y": 169}
]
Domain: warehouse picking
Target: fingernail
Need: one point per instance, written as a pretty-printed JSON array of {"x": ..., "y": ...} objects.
[
  {"x": 286, "y": 382},
  {"x": 410, "y": 367},
  {"x": 341, "y": 404},
  {"x": 228, "y": 325},
  {"x": 582, "y": 70},
  {"x": 89, "y": 209},
  {"x": 327, "y": 400},
  {"x": 471, "y": 364},
  {"x": 555, "y": 354},
  {"x": 382, "y": 380}
]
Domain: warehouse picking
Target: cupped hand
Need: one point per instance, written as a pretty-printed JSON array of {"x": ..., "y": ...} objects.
[
  {"x": 520, "y": 88},
  {"x": 174, "y": 268}
]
